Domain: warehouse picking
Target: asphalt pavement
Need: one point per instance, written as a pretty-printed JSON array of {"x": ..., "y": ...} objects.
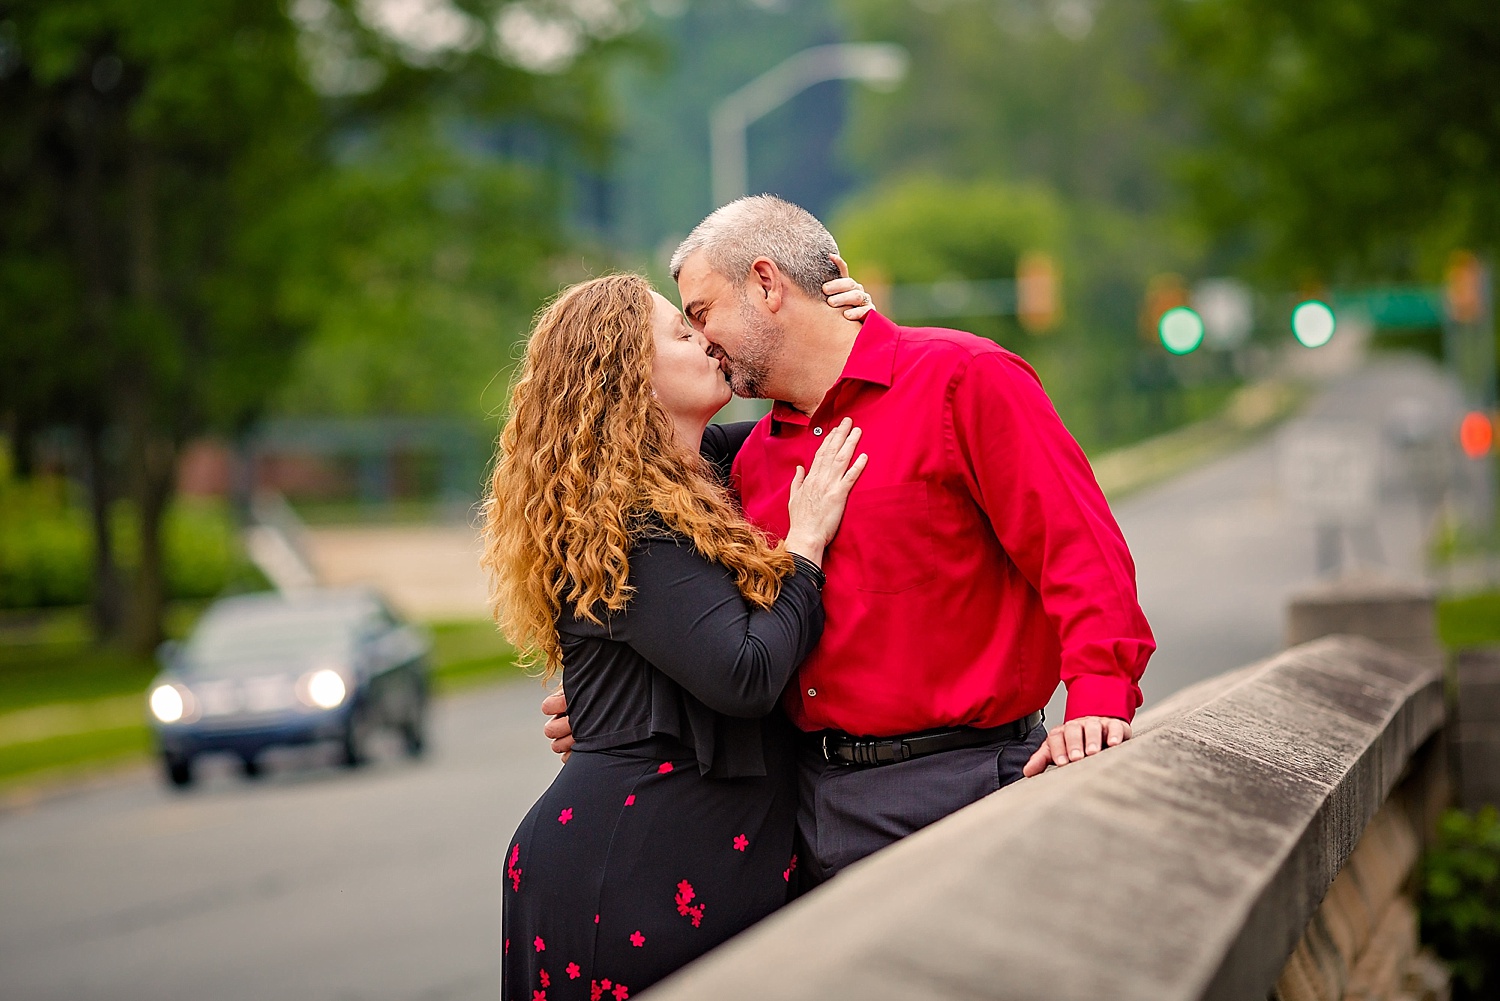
[
  {"x": 1221, "y": 549},
  {"x": 312, "y": 883},
  {"x": 322, "y": 884}
]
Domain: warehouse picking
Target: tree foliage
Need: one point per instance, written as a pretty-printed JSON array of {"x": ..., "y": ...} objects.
[
  {"x": 147, "y": 161},
  {"x": 1070, "y": 93},
  {"x": 436, "y": 258},
  {"x": 192, "y": 189},
  {"x": 923, "y": 229},
  {"x": 1347, "y": 135}
]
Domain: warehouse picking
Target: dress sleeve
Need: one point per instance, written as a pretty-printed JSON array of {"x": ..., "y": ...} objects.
[
  {"x": 1035, "y": 485},
  {"x": 722, "y": 442},
  {"x": 688, "y": 619}
]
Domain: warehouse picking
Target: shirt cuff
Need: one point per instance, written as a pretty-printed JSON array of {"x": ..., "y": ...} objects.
[{"x": 1102, "y": 695}]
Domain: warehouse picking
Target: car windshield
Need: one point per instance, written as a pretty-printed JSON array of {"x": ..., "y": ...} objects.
[{"x": 251, "y": 640}]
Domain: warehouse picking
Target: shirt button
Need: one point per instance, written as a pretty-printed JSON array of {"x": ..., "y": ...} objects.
[
  {"x": 811, "y": 692},
  {"x": 818, "y": 432}
]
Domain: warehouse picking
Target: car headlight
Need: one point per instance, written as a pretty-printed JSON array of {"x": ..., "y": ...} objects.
[
  {"x": 167, "y": 703},
  {"x": 324, "y": 689}
]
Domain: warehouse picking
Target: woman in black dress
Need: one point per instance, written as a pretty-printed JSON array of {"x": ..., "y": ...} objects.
[{"x": 619, "y": 560}]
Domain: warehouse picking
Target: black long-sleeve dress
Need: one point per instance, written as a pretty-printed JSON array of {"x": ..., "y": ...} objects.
[{"x": 670, "y": 829}]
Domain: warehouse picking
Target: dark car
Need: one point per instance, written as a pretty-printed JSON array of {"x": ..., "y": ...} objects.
[{"x": 276, "y": 669}]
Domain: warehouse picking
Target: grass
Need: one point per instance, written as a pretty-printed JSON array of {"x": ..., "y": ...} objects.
[
  {"x": 69, "y": 752},
  {"x": 1250, "y": 412},
  {"x": 469, "y": 653},
  {"x": 68, "y": 705},
  {"x": 49, "y": 657},
  {"x": 1471, "y": 620}
]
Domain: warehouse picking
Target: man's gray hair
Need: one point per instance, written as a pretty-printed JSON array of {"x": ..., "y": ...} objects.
[{"x": 763, "y": 226}]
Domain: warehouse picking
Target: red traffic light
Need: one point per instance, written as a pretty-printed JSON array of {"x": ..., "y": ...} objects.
[{"x": 1476, "y": 435}]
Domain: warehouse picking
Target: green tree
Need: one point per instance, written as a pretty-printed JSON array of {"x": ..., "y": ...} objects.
[
  {"x": 174, "y": 173},
  {"x": 1066, "y": 93},
  {"x": 1017, "y": 103},
  {"x": 1348, "y": 136},
  {"x": 458, "y": 134},
  {"x": 146, "y": 151},
  {"x": 923, "y": 229},
  {"x": 439, "y": 259}
]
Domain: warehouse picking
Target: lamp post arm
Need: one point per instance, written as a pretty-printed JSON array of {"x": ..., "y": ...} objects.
[{"x": 732, "y": 116}]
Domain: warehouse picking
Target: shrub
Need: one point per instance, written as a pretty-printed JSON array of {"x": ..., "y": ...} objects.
[
  {"x": 46, "y": 546},
  {"x": 1461, "y": 900}
]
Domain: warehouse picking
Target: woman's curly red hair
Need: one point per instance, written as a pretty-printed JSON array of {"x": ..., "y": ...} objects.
[{"x": 586, "y": 460}]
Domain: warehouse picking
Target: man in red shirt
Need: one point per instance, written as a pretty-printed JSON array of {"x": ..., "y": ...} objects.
[{"x": 977, "y": 564}]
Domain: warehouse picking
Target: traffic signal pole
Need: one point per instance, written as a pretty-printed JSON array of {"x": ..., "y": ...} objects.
[{"x": 1469, "y": 348}]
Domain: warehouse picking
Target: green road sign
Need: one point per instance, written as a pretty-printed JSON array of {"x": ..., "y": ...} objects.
[{"x": 1397, "y": 305}]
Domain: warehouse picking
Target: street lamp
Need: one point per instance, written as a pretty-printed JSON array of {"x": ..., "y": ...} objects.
[{"x": 875, "y": 63}]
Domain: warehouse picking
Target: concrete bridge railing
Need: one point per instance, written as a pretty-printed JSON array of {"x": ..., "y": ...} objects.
[{"x": 1190, "y": 862}]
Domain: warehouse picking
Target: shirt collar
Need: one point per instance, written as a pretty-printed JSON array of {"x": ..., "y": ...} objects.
[{"x": 872, "y": 359}]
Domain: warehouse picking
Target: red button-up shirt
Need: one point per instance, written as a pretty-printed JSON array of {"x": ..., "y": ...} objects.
[{"x": 977, "y": 563}]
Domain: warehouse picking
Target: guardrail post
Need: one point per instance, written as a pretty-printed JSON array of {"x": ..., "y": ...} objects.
[
  {"x": 1397, "y": 615},
  {"x": 1478, "y": 730}
]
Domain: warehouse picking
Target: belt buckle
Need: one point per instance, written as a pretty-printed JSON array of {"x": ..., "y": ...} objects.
[{"x": 827, "y": 752}]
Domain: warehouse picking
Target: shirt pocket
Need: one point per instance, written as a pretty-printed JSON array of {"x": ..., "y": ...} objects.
[{"x": 890, "y": 531}]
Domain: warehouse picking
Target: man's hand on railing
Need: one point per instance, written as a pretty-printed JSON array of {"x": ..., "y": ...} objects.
[
  {"x": 557, "y": 729},
  {"x": 1075, "y": 740}
]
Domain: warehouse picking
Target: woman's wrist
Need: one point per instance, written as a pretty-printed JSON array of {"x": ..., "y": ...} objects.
[
  {"x": 805, "y": 567},
  {"x": 807, "y": 548}
]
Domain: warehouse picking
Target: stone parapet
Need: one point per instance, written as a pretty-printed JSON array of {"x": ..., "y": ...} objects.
[
  {"x": 1402, "y": 616},
  {"x": 1184, "y": 864}
]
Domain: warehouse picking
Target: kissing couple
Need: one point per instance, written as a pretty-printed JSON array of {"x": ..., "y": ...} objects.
[{"x": 782, "y": 645}]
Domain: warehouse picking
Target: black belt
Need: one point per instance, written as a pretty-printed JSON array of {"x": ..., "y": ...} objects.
[{"x": 843, "y": 749}]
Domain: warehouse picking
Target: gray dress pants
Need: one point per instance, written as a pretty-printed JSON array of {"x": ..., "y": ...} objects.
[{"x": 845, "y": 812}]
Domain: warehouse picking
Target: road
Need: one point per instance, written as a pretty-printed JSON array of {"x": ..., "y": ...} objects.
[
  {"x": 314, "y": 883},
  {"x": 323, "y": 885},
  {"x": 1219, "y": 550}
]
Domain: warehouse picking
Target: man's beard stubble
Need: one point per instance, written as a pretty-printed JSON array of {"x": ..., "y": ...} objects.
[{"x": 750, "y": 370}]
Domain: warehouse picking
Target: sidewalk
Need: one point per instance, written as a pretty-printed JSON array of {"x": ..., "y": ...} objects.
[{"x": 430, "y": 572}]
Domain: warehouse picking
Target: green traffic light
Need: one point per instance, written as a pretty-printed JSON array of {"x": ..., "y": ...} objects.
[
  {"x": 1313, "y": 323},
  {"x": 1180, "y": 330}
]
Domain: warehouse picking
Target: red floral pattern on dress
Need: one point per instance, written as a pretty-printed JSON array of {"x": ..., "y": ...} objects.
[
  {"x": 507, "y": 947},
  {"x": 685, "y": 906},
  {"x": 621, "y": 992},
  {"x": 565, "y": 816},
  {"x": 574, "y": 971},
  {"x": 512, "y": 870},
  {"x": 544, "y": 978},
  {"x": 596, "y": 990},
  {"x": 786, "y": 873},
  {"x": 741, "y": 842},
  {"x": 630, "y": 800},
  {"x": 637, "y": 939},
  {"x": 540, "y": 945},
  {"x": 664, "y": 767},
  {"x": 538, "y": 996}
]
